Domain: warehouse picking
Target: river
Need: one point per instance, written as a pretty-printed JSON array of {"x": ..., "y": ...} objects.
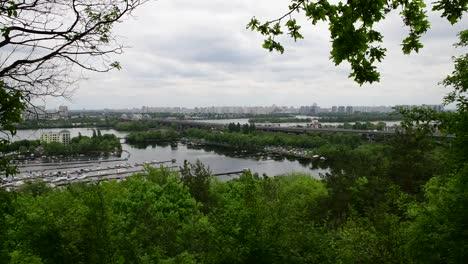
[
  {"x": 219, "y": 160},
  {"x": 294, "y": 124}
]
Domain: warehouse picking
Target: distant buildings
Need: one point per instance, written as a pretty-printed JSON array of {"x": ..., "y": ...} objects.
[
  {"x": 145, "y": 112},
  {"x": 63, "y": 112},
  {"x": 361, "y": 109},
  {"x": 135, "y": 117},
  {"x": 437, "y": 108},
  {"x": 314, "y": 124},
  {"x": 40, "y": 113},
  {"x": 312, "y": 109},
  {"x": 35, "y": 112},
  {"x": 61, "y": 137},
  {"x": 373, "y": 109}
]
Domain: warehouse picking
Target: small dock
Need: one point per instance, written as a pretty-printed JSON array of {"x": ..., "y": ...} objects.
[
  {"x": 118, "y": 174},
  {"x": 230, "y": 173}
]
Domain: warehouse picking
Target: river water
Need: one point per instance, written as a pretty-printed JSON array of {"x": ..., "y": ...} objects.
[
  {"x": 246, "y": 121},
  {"x": 219, "y": 160}
]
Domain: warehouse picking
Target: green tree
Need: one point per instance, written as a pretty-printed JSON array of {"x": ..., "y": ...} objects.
[
  {"x": 353, "y": 28},
  {"x": 252, "y": 128},
  {"x": 197, "y": 178},
  {"x": 238, "y": 127},
  {"x": 245, "y": 128},
  {"x": 11, "y": 106},
  {"x": 457, "y": 123},
  {"x": 32, "y": 68},
  {"x": 437, "y": 232},
  {"x": 269, "y": 220}
]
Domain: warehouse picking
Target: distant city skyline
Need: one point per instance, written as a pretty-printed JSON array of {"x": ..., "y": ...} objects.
[
  {"x": 145, "y": 112},
  {"x": 333, "y": 108}
]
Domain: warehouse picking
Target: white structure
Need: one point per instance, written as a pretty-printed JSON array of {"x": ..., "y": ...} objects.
[
  {"x": 314, "y": 124},
  {"x": 61, "y": 137}
]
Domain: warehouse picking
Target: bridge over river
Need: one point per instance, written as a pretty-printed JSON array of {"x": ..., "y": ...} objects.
[{"x": 290, "y": 130}]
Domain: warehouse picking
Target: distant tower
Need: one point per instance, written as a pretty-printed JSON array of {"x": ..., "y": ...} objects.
[{"x": 63, "y": 111}]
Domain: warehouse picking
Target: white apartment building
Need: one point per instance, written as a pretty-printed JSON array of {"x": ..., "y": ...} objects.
[{"x": 61, "y": 137}]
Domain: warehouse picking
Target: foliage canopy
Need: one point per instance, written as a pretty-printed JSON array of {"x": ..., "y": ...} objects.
[{"x": 352, "y": 26}]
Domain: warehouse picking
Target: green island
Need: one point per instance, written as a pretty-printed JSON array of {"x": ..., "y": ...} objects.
[
  {"x": 279, "y": 120},
  {"x": 90, "y": 146},
  {"x": 113, "y": 122},
  {"x": 151, "y": 136},
  {"x": 329, "y": 145}
]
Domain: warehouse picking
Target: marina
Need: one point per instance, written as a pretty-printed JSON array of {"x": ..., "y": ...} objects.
[{"x": 221, "y": 161}]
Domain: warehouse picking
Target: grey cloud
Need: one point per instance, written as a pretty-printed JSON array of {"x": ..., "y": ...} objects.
[{"x": 194, "y": 53}]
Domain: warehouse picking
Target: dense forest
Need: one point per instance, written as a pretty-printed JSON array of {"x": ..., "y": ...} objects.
[{"x": 377, "y": 205}]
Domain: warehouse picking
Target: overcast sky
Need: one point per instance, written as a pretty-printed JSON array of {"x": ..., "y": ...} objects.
[{"x": 199, "y": 53}]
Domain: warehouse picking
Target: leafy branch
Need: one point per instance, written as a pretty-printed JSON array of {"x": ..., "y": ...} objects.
[{"x": 352, "y": 28}]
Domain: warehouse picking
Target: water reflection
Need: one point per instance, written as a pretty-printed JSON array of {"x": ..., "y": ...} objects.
[
  {"x": 222, "y": 159},
  {"x": 219, "y": 159}
]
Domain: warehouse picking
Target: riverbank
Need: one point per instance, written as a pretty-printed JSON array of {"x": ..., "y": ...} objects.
[{"x": 300, "y": 153}]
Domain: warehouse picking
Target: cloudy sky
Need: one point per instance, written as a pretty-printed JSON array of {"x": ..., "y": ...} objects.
[{"x": 199, "y": 53}]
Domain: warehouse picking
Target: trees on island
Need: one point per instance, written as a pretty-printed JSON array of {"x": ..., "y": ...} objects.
[
  {"x": 245, "y": 128},
  {"x": 144, "y": 137},
  {"x": 103, "y": 144}
]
